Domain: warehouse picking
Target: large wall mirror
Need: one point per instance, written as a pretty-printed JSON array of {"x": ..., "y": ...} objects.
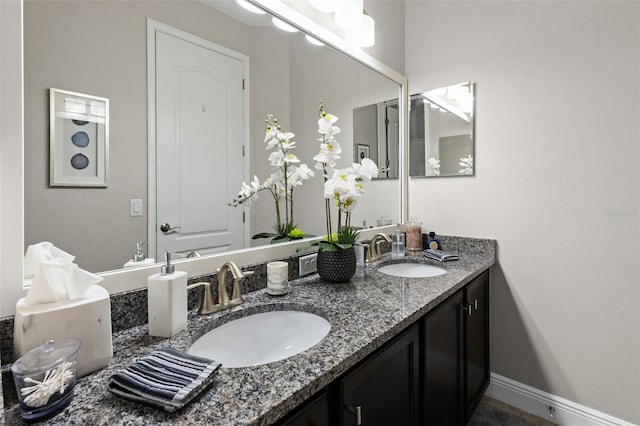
[
  {"x": 441, "y": 131},
  {"x": 100, "y": 48}
]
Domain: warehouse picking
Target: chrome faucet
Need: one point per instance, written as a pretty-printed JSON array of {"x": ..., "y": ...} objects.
[
  {"x": 374, "y": 253},
  {"x": 208, "y": 307}
]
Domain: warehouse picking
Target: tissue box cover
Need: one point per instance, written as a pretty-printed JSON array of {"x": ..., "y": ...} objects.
[{"x": 88, "y": 319}]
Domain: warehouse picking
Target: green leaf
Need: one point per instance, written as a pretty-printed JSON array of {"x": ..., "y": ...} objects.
[
  {"x": 264, "y": 235},
  {"x": 280, "y": 239},
  {"x": 343, "y": 246}
]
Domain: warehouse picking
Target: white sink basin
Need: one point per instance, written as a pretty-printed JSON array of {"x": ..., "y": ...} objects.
[
  {"x": 261, "y": 338},
  {"x": 412, "y": 270}
]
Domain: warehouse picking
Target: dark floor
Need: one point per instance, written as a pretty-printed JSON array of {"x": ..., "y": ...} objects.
[{"x": 492, "y": 412}]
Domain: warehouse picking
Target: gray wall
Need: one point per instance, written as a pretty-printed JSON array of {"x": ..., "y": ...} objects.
[{"x": 557, "y": 183}]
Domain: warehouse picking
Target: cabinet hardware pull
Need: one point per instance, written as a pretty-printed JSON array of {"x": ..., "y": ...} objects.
[
  {"x": 476, "y": 303},
  {"x": 358, "y": 412},
  {"x": 468, "y": 308}
]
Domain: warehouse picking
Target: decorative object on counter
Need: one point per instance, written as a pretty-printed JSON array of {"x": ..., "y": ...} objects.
[
  {"x": 167, "y": 300},
  {"x": 440, "y": 255},
  {"x": 414, "y": 234},
  {"x": 397, "y": 244},
  {"x": 278, "y": 278},
  {"x": 45, "y": 378},
  {"x": 63, "y": 300},
  {"x": 433, "y": 243},
  {"x": 166, "y": 378},
  {"x": 336, "y": 255},
  {"x": 337, "y": 266},
  {"x": 287, "y": 174}
]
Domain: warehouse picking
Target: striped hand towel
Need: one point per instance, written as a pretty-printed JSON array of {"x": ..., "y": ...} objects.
[{"x": 166, "y": 378}]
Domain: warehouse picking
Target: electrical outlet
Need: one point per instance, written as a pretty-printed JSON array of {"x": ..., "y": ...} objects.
[{"x": 307, "y": 264}]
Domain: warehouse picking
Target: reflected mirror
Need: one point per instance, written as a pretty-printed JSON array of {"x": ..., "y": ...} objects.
[
  {"x": 72, "y": 45},
  {"x": 441, "y": 131}
]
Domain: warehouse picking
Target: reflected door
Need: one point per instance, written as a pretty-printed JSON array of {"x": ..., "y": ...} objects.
[{"x": 199, "y": 166}]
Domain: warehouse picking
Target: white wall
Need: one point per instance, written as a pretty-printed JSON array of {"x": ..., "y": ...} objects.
[{"x": 557, "y": 183}]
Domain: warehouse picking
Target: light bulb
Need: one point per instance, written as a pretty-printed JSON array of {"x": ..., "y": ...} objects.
[
  {"x": 283, "y": 25},
  {"x": 348, "y": 12},
  {"x": 250, "y": 7},
  {"x": 312, "y": 40},
  {"x": 362, "y": 31},
  {"x": 325, "y": 5}
]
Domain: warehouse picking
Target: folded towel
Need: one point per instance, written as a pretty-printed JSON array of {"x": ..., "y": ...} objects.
[
  {"x": 166, "y": 378},
  {"x": 440, "y": 255}
]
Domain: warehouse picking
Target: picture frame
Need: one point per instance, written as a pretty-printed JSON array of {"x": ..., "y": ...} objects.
[
  {"x": 78, "y": 139},
  {"x": 363, "y": 151}
]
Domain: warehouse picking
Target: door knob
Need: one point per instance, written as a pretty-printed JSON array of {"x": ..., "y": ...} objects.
[{"x": 167, "y": 229}]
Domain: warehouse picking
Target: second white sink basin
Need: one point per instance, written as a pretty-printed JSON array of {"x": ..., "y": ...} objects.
[
  {"x": 261, "y": 338},
  {"x": 412, "y": 270}
]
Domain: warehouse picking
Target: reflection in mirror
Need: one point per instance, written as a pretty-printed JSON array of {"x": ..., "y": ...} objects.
[
  {"x": 72, "y": 45},
  {"x": 441, "y": 131},
  {"x": 376, "y": 136}
]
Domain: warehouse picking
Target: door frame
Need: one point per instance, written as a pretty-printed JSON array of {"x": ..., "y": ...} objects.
[{"x": 153, "y": 27}]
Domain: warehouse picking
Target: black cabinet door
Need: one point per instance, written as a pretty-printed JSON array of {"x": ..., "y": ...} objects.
[
  {"x": 315, "y": 412},
  {"x": 383, "y": 390},
  {"x": 476, "y": 339},
  {"x": 443, "y": 364}
]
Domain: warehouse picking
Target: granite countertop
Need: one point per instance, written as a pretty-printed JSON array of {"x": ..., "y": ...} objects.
[{"x": 364, "y": 314}]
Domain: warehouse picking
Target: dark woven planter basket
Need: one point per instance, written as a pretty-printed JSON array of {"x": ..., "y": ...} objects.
[{"x": 337, "y": 266}]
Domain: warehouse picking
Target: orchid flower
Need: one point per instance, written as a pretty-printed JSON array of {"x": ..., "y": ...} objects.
[
  {"x": 287, "y": 174},
  {"x": 342, "y": 186}
]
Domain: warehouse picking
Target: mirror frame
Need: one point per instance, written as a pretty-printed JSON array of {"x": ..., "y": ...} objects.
[{"x": 12, "y": 161}]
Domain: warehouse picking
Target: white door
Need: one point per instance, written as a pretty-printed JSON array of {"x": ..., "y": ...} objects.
[{"x": 199, "y": 148}]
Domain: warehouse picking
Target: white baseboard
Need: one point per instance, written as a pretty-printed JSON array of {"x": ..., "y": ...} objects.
[{"x": 539, "y": 403}]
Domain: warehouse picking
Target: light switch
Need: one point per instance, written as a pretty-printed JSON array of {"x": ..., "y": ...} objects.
[{"x": 135, "y": 207}]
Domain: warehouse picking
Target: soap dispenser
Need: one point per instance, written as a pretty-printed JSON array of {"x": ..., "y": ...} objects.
[
  {"x": 139, "y": 258},
  {"x": 167, "y": 296}
]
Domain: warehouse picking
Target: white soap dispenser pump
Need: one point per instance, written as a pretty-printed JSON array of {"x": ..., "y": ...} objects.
[{"x": 167, "y": 295}]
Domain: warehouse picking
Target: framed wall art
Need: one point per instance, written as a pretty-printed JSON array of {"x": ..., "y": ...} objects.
[
  {"x": 78, "y": 139},
  {"x": 363, "y": 151}
]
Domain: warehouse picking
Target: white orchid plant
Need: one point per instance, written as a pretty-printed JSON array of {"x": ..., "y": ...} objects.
[
  {"x": 287, "y": 174},
  {"x": 342, "y": 187}
]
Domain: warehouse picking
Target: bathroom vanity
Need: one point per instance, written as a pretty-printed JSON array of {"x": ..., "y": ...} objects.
[{"x": 405, "y": 348}]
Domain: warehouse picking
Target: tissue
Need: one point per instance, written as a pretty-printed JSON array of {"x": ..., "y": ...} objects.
[
  {"x": 56, "y": 278},
  {"x": 63, "y": 301},
  {"x": 42, "y": 252}
]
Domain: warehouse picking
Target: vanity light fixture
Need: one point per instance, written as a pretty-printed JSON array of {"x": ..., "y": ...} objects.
[
  {"x": 348, "y": 14},
  {"x": 313, "y": 40},
  {"x": 250, "y": 7},
  {"x": 325, "y": 5},
  {"x": 363, "y": 32},
  {"x": 283, "y": 25}
]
